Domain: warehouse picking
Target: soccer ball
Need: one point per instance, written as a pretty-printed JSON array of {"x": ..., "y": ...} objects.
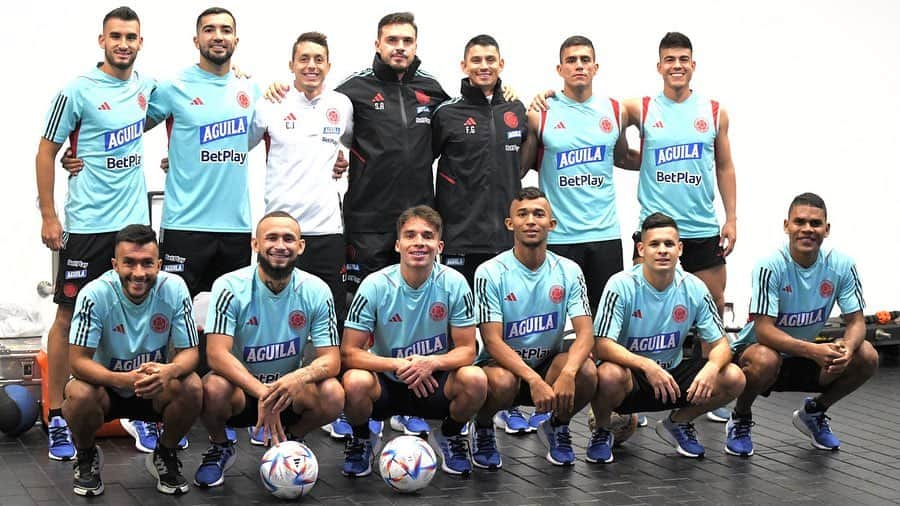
[
  {"x": 289, "y": 470},
  {"x": 407, "y": 463},
  {"x": 621, "y": 426}
]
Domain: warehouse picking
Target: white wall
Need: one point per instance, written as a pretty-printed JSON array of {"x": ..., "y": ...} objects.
[{"x": 811, "y": 87}]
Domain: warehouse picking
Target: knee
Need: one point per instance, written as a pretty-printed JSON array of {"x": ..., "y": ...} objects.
[
  {"x": 80, "y": 394},
  {"x": 611, "y": 378},
  {"x": 760, "y": 365},
  {"x": 587, "y": 375},
  {"x": 472, "y": 381},
  {"x": 358, "y": 384},
  {"x": 733, "y": 380},
  {"x": 501, "y": 383},
  {"x": 191, "y": 390},
  {"x": 331, "y": 398},
  {"x": 215, "y": 391}
]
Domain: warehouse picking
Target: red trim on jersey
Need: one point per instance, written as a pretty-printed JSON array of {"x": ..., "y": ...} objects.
[
  {"x": 268, "y": 141},
  {"x": 645, "y": 105},
  {"x": 715, "y": 113},
  {"x": 448, "y": 178},
  {"x": 73, "y": 139},
  {"x": 357, "y": 155},
  {"x": 170, "y": 123},
  {"x": 615, "y": 106}
]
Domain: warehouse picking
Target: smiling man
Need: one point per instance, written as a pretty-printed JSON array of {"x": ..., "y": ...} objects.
[
  {"x": 794, "y": 292},
  {"x": 125, "y": 323}
]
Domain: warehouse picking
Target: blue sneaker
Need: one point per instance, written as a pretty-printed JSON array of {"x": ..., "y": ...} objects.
[
  {"x": 410, "y": 425},
  {"x": 536, "y": 419},
  {"x": 183, "y": 443},
  {"x": 230, "y": 435},
  {"x": 682, "y": 436},
  {"x": 558, "y": 441},
  {"x": 258, "y": 438},
  {"x": 216, "y": 460},
  {"x": 455, "y": 453},
  {"x": 375, "y": 427},
  {"x": 340, "y": 428},
  {"x": 642, "y": 421},
  {"x": 484, "y": 449},
  {"x": 816, "y": 426},
  {"x": 737, "y": 436},
  {"x": 145, "y": 434},
  {"x": 358, "y": 456},
  {"x": 600, "y": 445},
  {"x": 512, "y": 421},
  {"x": 60, "y": 440},
  {"x": 720, "y": 415}
]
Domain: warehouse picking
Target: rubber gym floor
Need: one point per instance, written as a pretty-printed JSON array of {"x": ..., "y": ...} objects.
[{"x": 784, "y": 470}]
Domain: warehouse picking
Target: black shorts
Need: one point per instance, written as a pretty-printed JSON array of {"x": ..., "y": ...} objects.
[
  {"x": 397, "y": 399},
  {"x": 523, "y": 396},
  {"x": 797, "y": 374},
  {"x": 466, "y": 263},
  {"x": 324, "y": 257},
  {"x": 83, "y": 258},
  {"x": 367, "y": 253},
  {"x": 598, "y": 260},
  {"x": 250, "y": 415},
  {"x": 642, "y": 399},
  {"x": 134, "y": 408},
  {"x": 201, "y": 257},
  {"x": 698, "y": 254}
]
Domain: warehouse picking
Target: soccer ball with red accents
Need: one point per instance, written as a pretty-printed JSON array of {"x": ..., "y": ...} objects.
[
  {"x": 289, "y": 470},
  {"x": 407, "y": 464}
]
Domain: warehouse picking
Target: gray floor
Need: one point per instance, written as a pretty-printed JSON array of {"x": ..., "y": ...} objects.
[{"x": 785, "y": 468}]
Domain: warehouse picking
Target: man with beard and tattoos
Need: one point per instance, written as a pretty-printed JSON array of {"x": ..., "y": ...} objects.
[{"x": 259, "y": 320}]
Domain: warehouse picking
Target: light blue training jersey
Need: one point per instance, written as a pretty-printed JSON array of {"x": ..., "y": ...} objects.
[
  {"x": 125, "y": 335},
  {"x": 801, "y": 299},
  {"x": 576, "y": 168},
  {"x": 411, "y": 321},
  {"x": 270, "y": 330},
  {"x": 103, "y": 118},
  {"x": 678, "y": 163},
  {"x": 208, "y": 120},
  {"x": 532, "y": 305},
  {"x": 651, "y": 323}
]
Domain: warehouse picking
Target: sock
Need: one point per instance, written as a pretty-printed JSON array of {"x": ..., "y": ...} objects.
[
  {"x": 451, "y": 427},
  {"x": 362, "y": 431},
  {"x": 54, "y": 412},
  {"x": 814, "y": 406}
]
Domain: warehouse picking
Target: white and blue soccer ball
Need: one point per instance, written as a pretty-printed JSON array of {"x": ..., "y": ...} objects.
[
  {"x": 407, "y": 463},
  {"x": 289, "y": 470}
]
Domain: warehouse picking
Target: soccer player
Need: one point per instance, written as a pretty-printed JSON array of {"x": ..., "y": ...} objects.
[
  {"x": 421, "y": 316},
  {"x": 524, "y": 297},
  {"x": 102, "y": 113},
  {"x": 125, "y": 324},
  {"x": 644, "y": 315},
  {"x": 258, "y": 323},
  {"x": 794, "y": 290},
  {"x": 576, "y": 140}
]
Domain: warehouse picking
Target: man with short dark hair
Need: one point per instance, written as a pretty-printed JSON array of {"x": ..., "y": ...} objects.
[
  {"x": 125, "y": 323},
  {"x": 780, "y": 350}
]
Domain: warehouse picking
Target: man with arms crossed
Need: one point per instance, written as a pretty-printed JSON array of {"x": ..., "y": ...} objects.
[
  {"x": 524, "y": 296},
  {"x": 258, "y": 323},
  {"x": 794, "y": 291},
  {"x": 644, "y": 315},
  {"x": 125, "y": 323}
]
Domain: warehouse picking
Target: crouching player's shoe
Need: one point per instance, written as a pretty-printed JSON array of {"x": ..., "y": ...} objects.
[
  {"x": 216, "y": 460},
  {"x": 358, "y": 456},
  {"x": 815, "y": 425},
  {"x": 737, "y": 436},
  {"x": 682, "y": 436},
  {"x": 600, "y": 445},
  {"x": 484, "y": 449},
  {"x": 455, "y": 453},
  {"x": 558, "y": 441}
]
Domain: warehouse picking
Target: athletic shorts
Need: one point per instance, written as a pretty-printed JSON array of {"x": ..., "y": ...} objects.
[
  {"x": 598, "y": 260},
  {"x": 324, "y": 258},
  {"x": 797, "y": 374},
  {"x": 367, "y": 253},
  {"x": 250, "y": 415},
  {"x": 397, "y": 399},
  {"x": 201, "y": 257},
  {"x": 466, "y": 263},
  {"x": 83, "y": 258},
  {"x": 133, "y": 408},
  {"x": 642, "y": 399},
  {"x": 697, "y": 255}
]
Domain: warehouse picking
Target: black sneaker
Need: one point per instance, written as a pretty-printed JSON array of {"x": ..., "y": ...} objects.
[
  {"x": 164, "y": 465},
  {"x": 88, "y": 464}
]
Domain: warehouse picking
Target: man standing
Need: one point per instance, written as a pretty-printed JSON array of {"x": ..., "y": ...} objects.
[
  {"x": 257, "y": 326},
  {"x": 421, "y": 316},
  {"x": 794, "y": 291},
  {"x": 102, "y": 113},
  {"x": 524, "y": 296},
  {"x": 125, "y": 323}
]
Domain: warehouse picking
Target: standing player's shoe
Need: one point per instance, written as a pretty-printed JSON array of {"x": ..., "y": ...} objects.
[
  {"x": 164, "y": 465},
  {"x": 183, "y": 443},
  {"x": 257, "y": 438},
  {"x": 816, "y": 426},
  {"x": 455, "y": 453},
  {"x": 512, "y": 421},
  {"x": 375, "y": 427},
  {"x": 600, "y": 445},
  {"x": 87, "y": 480},
  {"x": 536, "y": 419},
  {"x": 558, "y": 441},
  {"x": 410, "y": 425},
  {"x": 230, "y": 435},
  {"x": 216, "y": 460},
  {"x": 682, "y": 436},
  {"x": 642, "y": 420},
  {"x": 737, "y": 436},
  {"x": 145, "y": 434},
  {"x": 358, "y": 456},
  {"x": 484, "y": 449},
  {"x": 720, "y": 415},
  {"x": 60, "y": 441},
  {"x": 340, "y": 428}
]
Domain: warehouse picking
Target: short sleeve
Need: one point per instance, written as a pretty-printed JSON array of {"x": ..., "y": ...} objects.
[
  {"x": 221, "y": 318},
  {"x": 362, "y": 312}
]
